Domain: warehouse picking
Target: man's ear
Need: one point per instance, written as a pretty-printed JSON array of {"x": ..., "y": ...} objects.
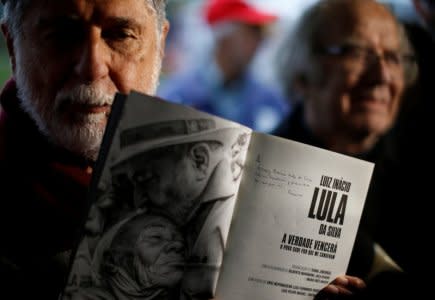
[
  {"x": 163, "y": 35},
  {"x": 200, "y": 156},
  {"x": 10, "y": 46}
]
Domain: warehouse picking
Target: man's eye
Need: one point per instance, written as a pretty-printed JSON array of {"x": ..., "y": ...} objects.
[
  {"x": 346, "y": 50},
  {"x": 63, "y": 41},
  {"x": 353, "y": 51},
  {"x": 66, "y": 31},
  {"x": 142, "y": 177},
  {"x": 150, "y": 238},
  {"x": 155, "y": 237},
  {"x": 118, "y": 34},
  {"x": 392, "y": 57}
]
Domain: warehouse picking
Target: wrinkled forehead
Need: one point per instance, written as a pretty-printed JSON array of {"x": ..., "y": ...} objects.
[
  {"x": 364, "y": 21},
  {"x": 90, "y": 10}
]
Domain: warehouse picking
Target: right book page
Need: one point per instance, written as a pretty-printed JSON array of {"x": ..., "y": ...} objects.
[{"x": 295, "y": 221}]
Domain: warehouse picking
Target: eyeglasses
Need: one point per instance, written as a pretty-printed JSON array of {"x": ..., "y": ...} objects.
[{"x": 366, "y": 56}]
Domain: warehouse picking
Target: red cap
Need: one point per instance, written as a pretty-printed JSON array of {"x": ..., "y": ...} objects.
[{"x": 236, "y": 10}]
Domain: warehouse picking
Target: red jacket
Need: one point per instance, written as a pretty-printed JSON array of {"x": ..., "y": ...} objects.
[{"x": 42, "y": 204}]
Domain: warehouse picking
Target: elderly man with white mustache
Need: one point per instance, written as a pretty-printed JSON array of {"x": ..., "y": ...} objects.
[{"x": 68, "y": 59}]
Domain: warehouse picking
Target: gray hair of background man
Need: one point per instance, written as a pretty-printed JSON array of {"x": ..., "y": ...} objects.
[
  {"x": 297, "y": 57},
  {"x": 13, "y": 12}
]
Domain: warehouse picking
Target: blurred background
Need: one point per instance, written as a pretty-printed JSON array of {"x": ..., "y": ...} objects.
[
  {"x": 5, "y": 69},
  {"x": 190, "y": 38}
]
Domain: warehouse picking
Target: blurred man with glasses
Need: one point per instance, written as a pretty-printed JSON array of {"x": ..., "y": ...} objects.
[{"x": 348, "y": 63}]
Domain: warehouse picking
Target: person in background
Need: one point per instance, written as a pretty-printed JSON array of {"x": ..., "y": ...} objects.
[
  {"x": 224, "y": 85},
  {"x": 347, "y": 64},
  {"x": 68, "y": 60}
]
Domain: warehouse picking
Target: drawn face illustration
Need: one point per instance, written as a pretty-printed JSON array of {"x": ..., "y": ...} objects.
[
  {"x": 146, "y": 257},
  {"x": 160, "y": 251},
  {"x": 167, "y": 179}
]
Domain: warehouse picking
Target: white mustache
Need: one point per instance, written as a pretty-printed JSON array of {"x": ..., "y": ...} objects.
[{"x": 83, "y": 94}]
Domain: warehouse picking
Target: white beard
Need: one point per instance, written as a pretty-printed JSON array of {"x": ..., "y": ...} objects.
[{"x": 82, "y": 137}]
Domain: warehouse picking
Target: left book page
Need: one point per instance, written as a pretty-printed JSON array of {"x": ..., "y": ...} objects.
[{"x": 161, "y": 203}]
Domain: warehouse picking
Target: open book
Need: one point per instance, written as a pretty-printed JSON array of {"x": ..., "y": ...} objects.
[{"x": 185, "y": 205}]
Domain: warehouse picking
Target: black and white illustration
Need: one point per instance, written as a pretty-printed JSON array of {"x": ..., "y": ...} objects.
[
  {"x": 185, "y": 205},
  {"x": 166, "y": 196}
]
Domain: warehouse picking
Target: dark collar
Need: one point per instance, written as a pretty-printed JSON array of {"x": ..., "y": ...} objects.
[{"x": 294, "y": 127}]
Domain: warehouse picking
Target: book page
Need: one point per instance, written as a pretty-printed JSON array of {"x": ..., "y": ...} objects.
[
  {"x": 161, "y": 203},
  {"x": 295, "y": 221}
]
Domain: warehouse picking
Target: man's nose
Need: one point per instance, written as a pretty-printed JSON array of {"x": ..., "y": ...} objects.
[
  {"x": 93, "y": 58},
  {"x": 379, "y": 71}
]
